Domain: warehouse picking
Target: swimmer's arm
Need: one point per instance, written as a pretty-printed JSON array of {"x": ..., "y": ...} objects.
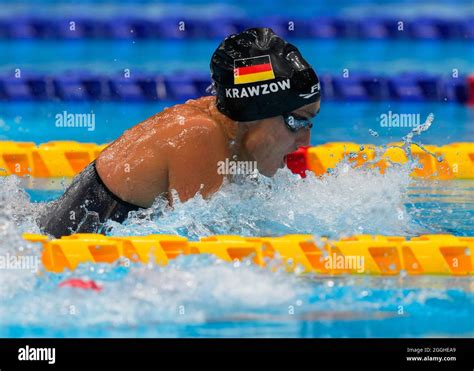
[{"x": 193, "y": 167}]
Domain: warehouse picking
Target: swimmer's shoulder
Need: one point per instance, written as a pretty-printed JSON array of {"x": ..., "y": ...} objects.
[
  {"x": 197, "y": 107},
  {"x": 188, "y": 122},
  {"x": 201, "y": 103},
  {"x": 196, "y": 113},
  {"x": 196, "y": 127}
]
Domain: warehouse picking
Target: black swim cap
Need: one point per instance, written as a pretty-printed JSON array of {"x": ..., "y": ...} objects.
[{"x": 257, "y": 74}]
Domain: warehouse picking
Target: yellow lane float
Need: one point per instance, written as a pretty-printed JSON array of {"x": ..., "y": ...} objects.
[
  {"x": 67, "y": 158},
  {"x": 360, "y": 254}
]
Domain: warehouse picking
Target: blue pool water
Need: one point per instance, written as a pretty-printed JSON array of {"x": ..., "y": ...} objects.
[
  {"x": 199, "y": 296},
  {"x": 337, "y": 121},
  {"x": 196, "y": 297},
  {"x": 328, "y": 56}
]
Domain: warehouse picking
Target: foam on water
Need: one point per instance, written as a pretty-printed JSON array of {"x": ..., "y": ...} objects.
[
  {"x": 190, "y": 289},
  {"x": 203, "y": 291},
  {"x": 346, "y": 202},
  {"x": 16, "y": 216}
]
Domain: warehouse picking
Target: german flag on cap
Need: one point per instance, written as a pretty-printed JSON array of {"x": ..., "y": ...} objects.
[{"x": 247, "y": 70}]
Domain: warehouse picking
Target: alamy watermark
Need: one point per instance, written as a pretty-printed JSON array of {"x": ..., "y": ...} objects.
[
  {"x": 347, "y": 262},
  {"x": 399, "y": 120},
  {"x": 66, "y": 119},
  {"x": 37, "y": 354},
  {"x": 231, "y": 167},
  {"x": 21, "y": 262}
]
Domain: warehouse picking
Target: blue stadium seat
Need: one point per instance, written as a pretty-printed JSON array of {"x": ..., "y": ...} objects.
[
  {"x": 4, "y": 28},
  {"x": 375, "y": 86},
  {"x": 405, "y": 87},
  {"x": 44, "y": 28},
  {"x": 180, "y": 86},
  {"x": 350, "y": 88},
  {"x": 12, "y": 88},
  {"x": 302, "y": 28},
  {"x": 70, "y": 87},
  {"x": 450, "y": 29},
  {"x": 324, "y": 28},
  {"x": 41, "y": 86},
  {"x": 152, "y": 85},
  {"x": 455, "y": 90},
  {"x": 80, "y": 27},
  {"x": 202, "y": 82},
  {"x": 145, "y": 28},
  {"x": 168, "y": 28},
  {"x": 71, "y": 28},
  {"x": 346, "y": 27},
  {"x": 431, "y": 85},
  {"x": 21, "y": 28},
  {"x": 127, "y": 90},
  {"x": 121, "y": 28},
  {"x": 223, "y": 27},
  {"x": 96, "y": 85},
  {"x": 376, "y": 28},
  {"x": 467, "y": 28},
  {"x": 327, "y": 87},
  {"x": 426, "y": 28}
]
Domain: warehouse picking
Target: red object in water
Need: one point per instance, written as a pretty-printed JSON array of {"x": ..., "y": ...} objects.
[
  {"x": 297, "y": 162},
  {"x": 470, "y": 90},
  {"x": 80, "y": 284}
]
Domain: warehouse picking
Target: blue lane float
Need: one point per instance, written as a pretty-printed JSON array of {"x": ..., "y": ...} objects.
[
  {"x": 183, "y": 85},
  {"x": 126, "y": 27}
]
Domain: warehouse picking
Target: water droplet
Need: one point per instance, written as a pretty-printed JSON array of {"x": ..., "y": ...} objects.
[{"x": 373, "y": 133}]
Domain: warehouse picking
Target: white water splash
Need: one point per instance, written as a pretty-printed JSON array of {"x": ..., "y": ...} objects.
[
  {"x": 349, "y": 201},
  {"x": 16, "y": 215}
]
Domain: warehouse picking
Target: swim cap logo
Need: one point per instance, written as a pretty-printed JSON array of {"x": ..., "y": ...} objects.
[
  {"x": 315, "y": 89},
  {"x": 247, "y": 70}
]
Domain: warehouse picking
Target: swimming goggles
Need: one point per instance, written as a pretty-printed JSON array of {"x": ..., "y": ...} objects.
[{"x": 295, "y": 123}]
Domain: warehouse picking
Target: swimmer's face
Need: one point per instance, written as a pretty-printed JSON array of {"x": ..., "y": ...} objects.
[{"x": 270, "y": 140}]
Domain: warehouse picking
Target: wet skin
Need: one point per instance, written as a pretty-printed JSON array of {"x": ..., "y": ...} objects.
[{"x": 180, "y": 147}]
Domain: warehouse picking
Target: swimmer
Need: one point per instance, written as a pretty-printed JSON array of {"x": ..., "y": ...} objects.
[{"x": 265, "y": 95}]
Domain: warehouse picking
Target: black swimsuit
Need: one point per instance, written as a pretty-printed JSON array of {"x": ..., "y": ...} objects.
[{"x": 84, "y": 207}]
